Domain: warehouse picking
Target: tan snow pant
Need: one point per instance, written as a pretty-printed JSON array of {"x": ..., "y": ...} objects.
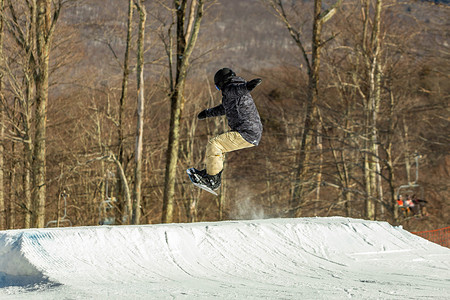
[{"x": 221, "y": 144}]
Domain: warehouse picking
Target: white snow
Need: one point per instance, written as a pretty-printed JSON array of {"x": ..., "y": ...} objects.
[{"x": 310, "y": 258}]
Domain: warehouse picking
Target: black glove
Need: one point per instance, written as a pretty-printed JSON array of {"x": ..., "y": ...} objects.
[
  {"x": 253, "y": 83},
  {"x": 202, "y": 115}
]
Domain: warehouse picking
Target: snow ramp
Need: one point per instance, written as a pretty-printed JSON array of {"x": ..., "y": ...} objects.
[{"x": 309, "y": 258}]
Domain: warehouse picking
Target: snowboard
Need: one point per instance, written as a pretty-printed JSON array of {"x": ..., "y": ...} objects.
[{"x": 195, "y": 181}]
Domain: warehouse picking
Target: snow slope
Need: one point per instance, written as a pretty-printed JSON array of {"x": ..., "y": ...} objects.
[{"x": 311, "y": 258}]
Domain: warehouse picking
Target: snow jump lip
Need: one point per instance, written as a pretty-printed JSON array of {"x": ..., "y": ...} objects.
[{"x": 276, "y": 258}]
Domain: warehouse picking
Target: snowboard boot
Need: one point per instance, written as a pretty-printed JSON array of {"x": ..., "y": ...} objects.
[{"x": 211, "y": 181}]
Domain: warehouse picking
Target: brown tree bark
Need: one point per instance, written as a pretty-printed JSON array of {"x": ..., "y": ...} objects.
[
  {"x": 311, "y": 122},
  {"x": 45, "y": 26},
  {"x": 2, "y": 130},
  {"x": 185, "y": 45},
  {"x": 140, "y": 115},
  {"x": 124, "y": 207},
  {"x": 41, "y": 77},
  {"x": 371, "y": 157}
]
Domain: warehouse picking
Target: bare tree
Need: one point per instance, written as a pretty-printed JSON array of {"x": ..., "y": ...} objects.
[
  {"x": 371, "y": 52},
  {"x": 140, "y": 114},
  {"x": 2, "y": 130},
  {"x": 11, "y": 221},
  {"x": 30, "y": 25},
  {"x": 123, "y": 206},
  {"x": 188, "y": 152},
  {"x": 371, "y": 69},
  {"x": 185, "y": 40},
  {"x": 310, "y": 121},
  {"x": 45, "y": 27}
]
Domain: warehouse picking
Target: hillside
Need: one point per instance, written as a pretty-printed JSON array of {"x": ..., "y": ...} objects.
[{"x": 89, "y": 123}]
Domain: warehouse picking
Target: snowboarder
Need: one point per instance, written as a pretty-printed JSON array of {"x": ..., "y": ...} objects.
[{"x": 243, "y": 119}]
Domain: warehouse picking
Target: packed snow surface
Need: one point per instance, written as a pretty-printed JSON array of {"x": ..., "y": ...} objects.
[{"x": 311, "y": 258}]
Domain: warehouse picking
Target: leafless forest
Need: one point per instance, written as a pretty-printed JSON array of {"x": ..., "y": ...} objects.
[{"x": 99, "y": 102}]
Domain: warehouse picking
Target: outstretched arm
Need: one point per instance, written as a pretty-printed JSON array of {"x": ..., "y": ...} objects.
[
  {"x": 219, "y": 110},
  {"x": 253, "y": 83},
  {"x": 239, "y": 90}
]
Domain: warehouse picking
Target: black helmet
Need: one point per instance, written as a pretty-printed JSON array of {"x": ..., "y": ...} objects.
[{"x": 222, "y": 76}]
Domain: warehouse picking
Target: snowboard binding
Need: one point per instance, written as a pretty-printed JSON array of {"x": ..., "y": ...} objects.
[{"x": 207, "y": 182}]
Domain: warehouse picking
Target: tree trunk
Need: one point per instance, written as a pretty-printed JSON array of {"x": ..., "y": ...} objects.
[
  {"x": 310, "y": 119},
  {"x": 176, "y": 108},
  {"x": 28, "y": 161},
  {"x": 407, "y": 151},
  {"x": 2, "y": 166},
  {"x": 184, "y": 51},
  {"x": 123, "y": 208},
  {"x": 39, "y": 168},
  {"x": 124, "y": 181},
  {"x": 2, "y": 131},
  {"x": 392, "y": 204},
  {"x": 140, "y": 116},
  {"x": 191, "y": 195},
  {"x": 28, "y": 150},
  {"x": 27, "y": 189},
  {"x": 172, "y": 156},
  {"x": 11, "y": 222},
  {"x": 373, "y": 180},
  {"x": 319, "y": 172},
  {"x": 310, "y": 123}
]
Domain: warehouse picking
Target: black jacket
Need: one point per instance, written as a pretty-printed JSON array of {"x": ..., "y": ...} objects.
[{"x": 238, "y": 106}]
